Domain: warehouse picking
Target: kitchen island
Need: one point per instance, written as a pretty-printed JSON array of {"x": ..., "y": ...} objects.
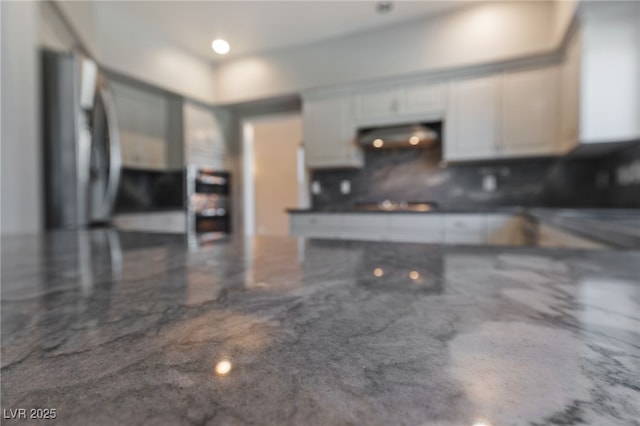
[{"x": 112, "y": 328}]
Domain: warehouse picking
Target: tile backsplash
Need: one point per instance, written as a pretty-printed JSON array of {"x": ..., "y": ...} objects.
[{"x": 417, "y": 175}]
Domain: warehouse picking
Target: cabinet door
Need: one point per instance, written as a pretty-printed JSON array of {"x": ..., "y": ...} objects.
[
  {"x": 203, "y": 139},
  {"x": 412, "y": 227},
  {"x": 427, "y": 99},
  {"x": 316, "y": 225},
  {"x": 373, "y": 105},
  {"x": 530, "y": 107},
  {"x": 142, "y": 118},
  {"x": 127, "y": 112},
  {"x": 465, "y": 228},
  {"x": 329, "y": 133},
  {"x": 471, "y": 127},
  {"x": 152, "y": 132},
  {"x": 366, "y": 226}
]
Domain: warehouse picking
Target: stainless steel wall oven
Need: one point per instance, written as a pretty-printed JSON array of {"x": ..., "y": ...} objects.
[{"x": 208, "y": 214}]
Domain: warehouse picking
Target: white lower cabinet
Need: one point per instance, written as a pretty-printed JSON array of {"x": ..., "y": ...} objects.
[
  {"x": 467, "y": 228},
  {"x": 416, "y": 228},
  {"x": 373, "y": 227},
  {"x": 316, "y": 225}
]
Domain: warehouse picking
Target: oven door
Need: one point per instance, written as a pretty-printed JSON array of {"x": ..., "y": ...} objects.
[
  {"x": 211, "y": 223},
  {"x": 211, "y": 183}
]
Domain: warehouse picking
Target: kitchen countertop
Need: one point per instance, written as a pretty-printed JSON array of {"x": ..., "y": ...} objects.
[
  {"x": 439, "y": 210},
  {"x": 116, "y": 328}
]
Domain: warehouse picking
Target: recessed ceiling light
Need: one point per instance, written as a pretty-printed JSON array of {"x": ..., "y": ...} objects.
[
  {"x": 378, "y": 143},
  {"x": 220, "y": 46}
]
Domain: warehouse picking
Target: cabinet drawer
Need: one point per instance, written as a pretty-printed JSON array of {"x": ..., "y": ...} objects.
[
  {"x": 416, "y": 221},
  {"x": 303, "y": 228},
  {"x": 462, "y": 222},
  {"x": 363, "y": 234},
  {"x": 422, "y": 235},
  {"x": 470, "y": 236},
  {"x": 316, "y": 225},
  {"x": 374, "y": 222},
  {"x": 319, "y": 220}
]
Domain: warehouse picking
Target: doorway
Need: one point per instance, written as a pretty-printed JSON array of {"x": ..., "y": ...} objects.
[{"x": 274, "y": 173}]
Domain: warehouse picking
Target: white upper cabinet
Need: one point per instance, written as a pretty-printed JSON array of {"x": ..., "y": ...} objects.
[
  {"x": 429, "y": 99},
  {"x": 472, "y": 125},
  {"x": 373, "y": 105},
  {"x": 512, "y": 114},
  {"x": 530, "y": 109},
  {"x": 610, "y": 72},
  {"x": 416, "y": 101},
  {"x": 329, "y": 133},
  {"x": 142, "y": 118},
  {"x": 204, "y": 143}
]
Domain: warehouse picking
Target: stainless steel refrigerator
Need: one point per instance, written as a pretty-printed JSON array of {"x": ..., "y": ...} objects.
[{"x": 82, "y": 155}]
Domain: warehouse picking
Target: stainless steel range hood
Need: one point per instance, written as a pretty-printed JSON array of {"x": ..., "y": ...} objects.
[{"x": 405, "y": 136}]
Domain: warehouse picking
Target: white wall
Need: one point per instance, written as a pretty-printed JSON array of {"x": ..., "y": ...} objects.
[
  {"x": 126, "y": 46},
  {"x": 481, "y": 33},
  {"x": 21, "y": 187}
]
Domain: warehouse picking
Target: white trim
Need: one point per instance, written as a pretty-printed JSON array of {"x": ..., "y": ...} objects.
[
  {"x": 248, "y": 187},
  {"x": 302, "y": 175}
]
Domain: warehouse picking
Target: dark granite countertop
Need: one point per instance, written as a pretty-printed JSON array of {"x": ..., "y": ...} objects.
[
  {"x": 512, "y": 210},
  {"x": 601, "y": 213},
  {"x": 114, "y": 328}
]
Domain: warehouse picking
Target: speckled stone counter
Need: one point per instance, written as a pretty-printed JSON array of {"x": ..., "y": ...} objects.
[{"x": 112, "y": 328}]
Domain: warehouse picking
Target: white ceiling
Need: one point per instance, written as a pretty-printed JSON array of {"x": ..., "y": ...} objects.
[{"x": 255, "y": 26}]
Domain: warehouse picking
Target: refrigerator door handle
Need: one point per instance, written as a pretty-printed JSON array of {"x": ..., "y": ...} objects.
[{"x": 115, "y": 149}]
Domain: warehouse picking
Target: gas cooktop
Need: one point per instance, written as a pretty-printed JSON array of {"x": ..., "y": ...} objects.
[{"x": 389, "y": 205}]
